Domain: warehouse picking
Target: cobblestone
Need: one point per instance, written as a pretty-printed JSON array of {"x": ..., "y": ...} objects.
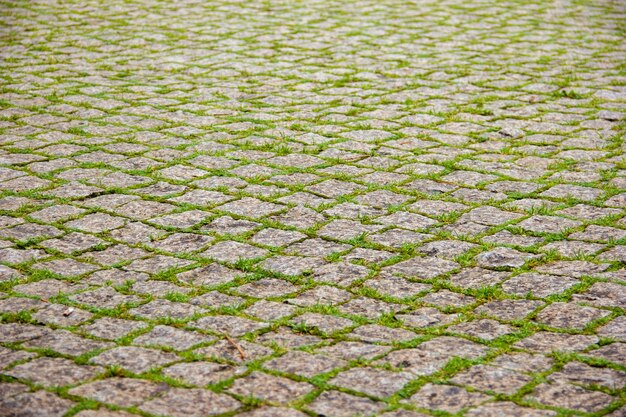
[{"x": 333, "y": 208}]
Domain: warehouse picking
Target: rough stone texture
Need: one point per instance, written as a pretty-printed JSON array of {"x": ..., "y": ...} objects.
[{"x": 315, "y": 204}]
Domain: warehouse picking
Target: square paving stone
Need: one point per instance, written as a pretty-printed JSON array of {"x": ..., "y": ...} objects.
[
  {"x": 8, "y": 356},
  {"x": 270, "y": 310},
  {"x": 157, "y": 264},
  {"x": 548, "y": 224},
  {"x": 509, "y": 309},
  {"x": 569, "y": 396},
  {"x": 375, "y": 382},
  {"x": 322, "y": 322},
  {"x": 339, "y": 404},
  {"x": 492, "y": 378},
  {"x": 569, "y": 315},
  {"x": 340, "y": 273},
  {"x": 104, "y": 297},
  {"x": 523, "y": 362},
  {"x": 501, "y": 257},
  {"x": 304, "y": 364},
  {"x": 225, "y": 350},
  {"x": 210, "y": 275},
  {"x": 231, "y": 325},
  {"x": 369, "y": 307},
  {"x": 229, "y": 251},
  {"x": 122, "y": 392},
  {"x": 321, "y": 295},
  {"x": 546, "y": 342},
  {"x": 111, "y": 328},
  {"x": 484, "y": 329},
  {"x": 291, "y": 265},
  {"x": 603, "y": 294},
  {"x": 270, "y": 388},
  {"x": 579, "y": 373},
  {"x": 35, "y": 404},
  {"x": 426, "y": 317},
  {"x": 202, "y": 373},
  {"x": 538, "y": 285},
  {"x": 396, "y": 286},
  {"x": 180, "y": 402},
  {"x": 430, "y": 356},
  {"x": 54, "y": 372},
  {"x": 97, "y": 223},
  {"x": 354, "y": 350},
  {"x": 447, "y": 398},
  {"x": 134, "y": 359},
  {"x": 574, "y": 269},
  {"x": 426, "y": 268},
  {"x": 61, "y": 315},
  {"x": 160, "y": 308},
  {"x": 171, "y": 337},
  {"x": 372, "y": 333},
  {"x": 251, "y": 207},
  {"x": 502, "y": 408}
]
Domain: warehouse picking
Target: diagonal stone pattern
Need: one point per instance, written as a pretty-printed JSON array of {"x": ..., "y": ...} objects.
[{"x": 322, "y": 208}]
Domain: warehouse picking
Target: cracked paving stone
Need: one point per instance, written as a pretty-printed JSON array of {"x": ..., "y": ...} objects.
[
  {"x": 603, "y": 294},
  {"x": 54, "y": 372},
  {"x": 66, "y": 343},
  {"x": 267, "y": 287},
  {"x": 134, "y": 359},
  {"x": 270, "y": 388},
  {"x": 251, "y": 207},
  {"x": 615, "y": 352}
]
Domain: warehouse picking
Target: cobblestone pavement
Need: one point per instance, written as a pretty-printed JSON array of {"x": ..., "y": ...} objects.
[{"x": 320, "y": 208}]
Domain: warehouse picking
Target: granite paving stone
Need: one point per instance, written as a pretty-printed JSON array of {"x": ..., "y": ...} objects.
[{"x": 333, "y": 208}]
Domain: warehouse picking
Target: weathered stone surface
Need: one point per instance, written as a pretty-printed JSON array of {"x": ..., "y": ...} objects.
[{"x": 299, "y": 208}]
